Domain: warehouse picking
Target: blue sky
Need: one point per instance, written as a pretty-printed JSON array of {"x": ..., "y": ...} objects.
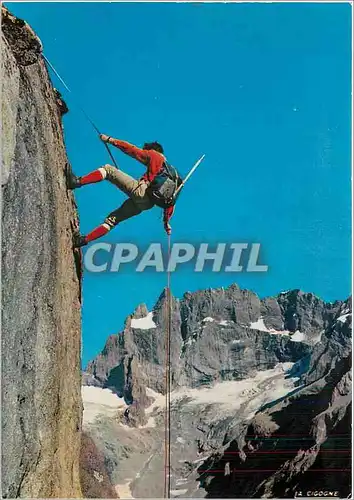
[{"x": 262, "y": 89}]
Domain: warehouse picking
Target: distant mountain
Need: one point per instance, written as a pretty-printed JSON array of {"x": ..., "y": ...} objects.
[{"x": 259, "y": 385}]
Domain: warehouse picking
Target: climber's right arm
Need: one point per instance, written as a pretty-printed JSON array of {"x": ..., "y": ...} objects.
[{"x": 139, "y": 154}]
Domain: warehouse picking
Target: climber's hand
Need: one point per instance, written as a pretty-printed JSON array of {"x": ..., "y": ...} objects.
[{"x": 104, "y": 138}]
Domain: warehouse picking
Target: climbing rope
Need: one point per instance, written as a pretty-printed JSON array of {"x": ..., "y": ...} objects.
[
  {"x": 80, "y": 107},
  {"x": 168, "y": 324}
]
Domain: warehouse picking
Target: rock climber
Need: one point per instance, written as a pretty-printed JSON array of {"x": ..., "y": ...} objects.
[{"x": 158, "y": 186}]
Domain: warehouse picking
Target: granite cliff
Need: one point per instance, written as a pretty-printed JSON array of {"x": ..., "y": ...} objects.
[{"x": 41, "y": 293}]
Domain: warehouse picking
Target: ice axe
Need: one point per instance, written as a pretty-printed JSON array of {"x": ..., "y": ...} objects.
[{"x": 190, "y": 173}]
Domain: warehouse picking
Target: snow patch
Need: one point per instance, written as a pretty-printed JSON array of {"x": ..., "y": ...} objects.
[
  {"x": 124, "y": 490},
  {"x": 178, "y": 493},
  {"x": 295, "y": 337},
  {"x": 98, "y": 401},
  {"x": 259, "y": 325},
  {"x": 344, "y": 317},
  {"x": 208, "y": 319},
  {"x": 199, "y": 460},
  {"x": 298, "y": 336},
  {"x": 225, "y": 322},
  {"x": 159, "y": 400},
  {"x": 145, "y": 323},
  {"x": 182, "y": 480},
  {"x": 265, "y": 387}
]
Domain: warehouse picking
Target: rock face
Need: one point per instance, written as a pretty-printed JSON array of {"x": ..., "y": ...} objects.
[
  {"x": 95, "y": 481},
  {"x": 41, "y": 297},
  {"x": 246, "y": 374}
]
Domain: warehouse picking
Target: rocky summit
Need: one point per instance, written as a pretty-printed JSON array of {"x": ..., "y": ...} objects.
[{"x": 260, "y": 401}]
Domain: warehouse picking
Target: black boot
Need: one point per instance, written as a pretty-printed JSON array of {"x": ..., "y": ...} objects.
[
  {"x": 79, "y": 241},
  {"x": 72, "y": 181}
]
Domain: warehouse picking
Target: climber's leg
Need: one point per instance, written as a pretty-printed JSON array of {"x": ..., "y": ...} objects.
[
  {"x": 136, "y": 190},
  {"x": 130, "y": 186},
  {"x": 123, "y": 181},
  {"x": 127, "y": 210},
  {"x": 95, "y": 176},
  {"x": 75, "y": 182}
]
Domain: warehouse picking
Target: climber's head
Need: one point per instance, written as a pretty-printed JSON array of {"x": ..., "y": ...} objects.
[{"x": 153, "y": 145}]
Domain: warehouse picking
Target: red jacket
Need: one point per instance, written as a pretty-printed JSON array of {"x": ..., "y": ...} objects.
[{"x": 153, "y": 160}]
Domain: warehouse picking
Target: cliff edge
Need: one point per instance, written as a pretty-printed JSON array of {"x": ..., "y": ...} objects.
[{"x": 41, "y": 297}]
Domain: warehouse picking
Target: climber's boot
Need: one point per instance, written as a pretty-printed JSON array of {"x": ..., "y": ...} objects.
[
  {"x": 72, "y": 180},
  {"x": 79, "y": 241}
]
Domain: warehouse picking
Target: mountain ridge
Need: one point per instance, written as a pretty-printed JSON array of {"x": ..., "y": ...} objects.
[
  {"x": 282, "y": 313},
  {"x": 241, "y": 367}
]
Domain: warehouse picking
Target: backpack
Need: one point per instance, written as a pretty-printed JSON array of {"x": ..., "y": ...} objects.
[{"x": 162, "y": 189}]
